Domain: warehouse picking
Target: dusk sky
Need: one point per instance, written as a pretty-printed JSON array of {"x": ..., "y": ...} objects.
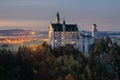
[{"x": 37, "y": 14}]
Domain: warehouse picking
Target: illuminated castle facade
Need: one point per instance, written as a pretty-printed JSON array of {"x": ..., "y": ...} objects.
[{"x": 61, "y": 34}]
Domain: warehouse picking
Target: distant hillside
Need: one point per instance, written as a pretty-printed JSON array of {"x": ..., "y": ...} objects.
[
  {"x": 12, "y": 30},
  {"x": 20, "y": 32}
]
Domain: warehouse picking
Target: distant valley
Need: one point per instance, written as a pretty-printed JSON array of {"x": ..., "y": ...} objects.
[{"x": 21, "y": 32}]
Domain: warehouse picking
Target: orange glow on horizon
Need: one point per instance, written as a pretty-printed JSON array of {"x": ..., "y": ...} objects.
[{"x": 23, "y": 23}]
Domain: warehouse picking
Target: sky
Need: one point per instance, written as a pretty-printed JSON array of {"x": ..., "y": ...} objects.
[{"x": 37, "y": 14}]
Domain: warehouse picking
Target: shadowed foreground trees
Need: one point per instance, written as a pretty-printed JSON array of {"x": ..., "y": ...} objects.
[{"x": 62, "y": 63}]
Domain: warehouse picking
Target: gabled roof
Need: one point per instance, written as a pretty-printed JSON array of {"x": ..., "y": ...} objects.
[
  {"x": 71, "y": 27},
  {"x": 68, "y": 27},
  {"x": 57, "y": 27}
]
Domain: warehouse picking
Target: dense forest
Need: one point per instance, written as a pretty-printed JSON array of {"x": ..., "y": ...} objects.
[{"x": 41, "y": 62}]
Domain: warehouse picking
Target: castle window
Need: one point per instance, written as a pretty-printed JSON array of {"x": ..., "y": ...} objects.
[
  {"x": 55, "y": 40},
  {"x": 62, "y": 38},
  {"x": 62, "y": 42}
]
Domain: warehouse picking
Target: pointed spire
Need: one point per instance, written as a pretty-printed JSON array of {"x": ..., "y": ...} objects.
[
  {"x": 57, "y": 18},
  {"x": 64, "y": 22}
]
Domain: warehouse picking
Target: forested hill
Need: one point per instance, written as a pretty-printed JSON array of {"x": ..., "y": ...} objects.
[{"x": 62, "y": 63}]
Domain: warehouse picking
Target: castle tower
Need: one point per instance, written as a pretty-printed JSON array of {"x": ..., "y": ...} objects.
[
  {"x": 57, "y": 18},
  {"x": 94, "y": 30},
  {"x": 64, "y": 22},
  {"x": 64, "y": 25},
  {"x": 64, "y": 32}
]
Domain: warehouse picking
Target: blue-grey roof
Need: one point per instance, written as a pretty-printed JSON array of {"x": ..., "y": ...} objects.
[
  {"x": 57, "y": 27},
  {"x": 68, "y": 27},
  {"x": 71, "y": 27}
]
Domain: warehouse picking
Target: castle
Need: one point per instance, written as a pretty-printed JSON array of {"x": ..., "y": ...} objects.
[{"x": 61, "y": 34}]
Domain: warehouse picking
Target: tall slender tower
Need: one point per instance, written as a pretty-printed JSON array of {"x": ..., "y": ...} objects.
[
  {"x": 64, "y": 32},
  {"x": 57, "y": 18},
  {"x": 64, "y": 26},
  {"x": 94, "y": 30}
]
